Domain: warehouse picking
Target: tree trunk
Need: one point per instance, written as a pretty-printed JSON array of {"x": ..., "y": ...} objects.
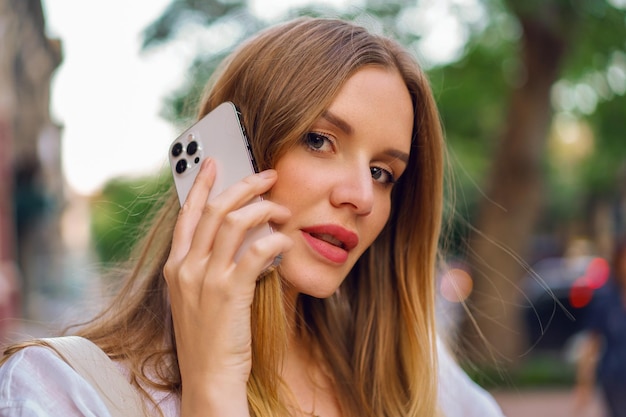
[{"x": 514, "y": 190}]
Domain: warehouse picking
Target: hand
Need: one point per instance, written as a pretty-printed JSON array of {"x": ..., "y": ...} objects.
[{"x": 211, "y": 294}]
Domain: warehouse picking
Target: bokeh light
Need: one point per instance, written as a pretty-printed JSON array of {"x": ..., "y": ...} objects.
[
  {"x": 580, "y": 294},
  {"x": 597, "y": 273},
  {"x": 456, "y": 285}
]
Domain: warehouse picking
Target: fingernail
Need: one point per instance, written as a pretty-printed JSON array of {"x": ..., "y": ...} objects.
[
  {"x": 206, "y": 163},
  {"x": 270, "y": 173}
]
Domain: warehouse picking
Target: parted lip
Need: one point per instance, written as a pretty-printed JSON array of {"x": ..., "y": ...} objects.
[{"x": 348, "y": 239}]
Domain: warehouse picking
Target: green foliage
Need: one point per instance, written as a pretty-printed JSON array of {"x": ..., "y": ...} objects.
[
  {"x": 601, "y": 32},
  {"x": 119, "y": 212},
  {"x": 607, "y": 169}
]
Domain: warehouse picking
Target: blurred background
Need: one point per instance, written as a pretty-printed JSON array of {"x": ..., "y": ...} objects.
[{"x": 531, "y": 94}]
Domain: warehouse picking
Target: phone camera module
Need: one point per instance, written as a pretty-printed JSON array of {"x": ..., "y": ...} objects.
[
  {"x": 192, "y": 147},
  {"x": 181, "y": 166},
  {"x": 177, "y": 149}
]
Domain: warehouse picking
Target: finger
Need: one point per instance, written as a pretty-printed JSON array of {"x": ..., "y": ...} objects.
[
  {"x": 261, "y": 254},
  {"x": 191, "y": 210},
  {"x": 238, "y": 223},
  {"x": 233, "y": 198}
]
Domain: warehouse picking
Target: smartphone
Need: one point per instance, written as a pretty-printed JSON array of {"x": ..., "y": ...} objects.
[{"x": 221, "y": 136}]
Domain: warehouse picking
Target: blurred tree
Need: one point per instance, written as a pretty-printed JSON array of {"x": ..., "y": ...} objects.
[
  {"x": 497, "y": 99},
  {"x": 554, "y": 35},
  {"x": 229, "y": 22},
  {"x": 514, "y": 185}
]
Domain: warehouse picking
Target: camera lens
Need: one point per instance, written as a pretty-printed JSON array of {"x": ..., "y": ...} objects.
[
  {"x": 177, "y": 149},
  {"x": 192, "y": 147},
  {"x": 181, "y": 166}
]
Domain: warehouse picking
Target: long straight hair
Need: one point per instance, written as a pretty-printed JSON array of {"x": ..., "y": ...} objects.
[
  {"x": 376, "y": 336},
  {"x": 377, "y": 331}
]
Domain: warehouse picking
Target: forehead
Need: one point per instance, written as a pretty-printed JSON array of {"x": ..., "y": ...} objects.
[{"x": 376, "y": 101}]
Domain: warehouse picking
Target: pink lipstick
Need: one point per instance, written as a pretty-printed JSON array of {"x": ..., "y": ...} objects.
[{"x": 331, "y": 241}]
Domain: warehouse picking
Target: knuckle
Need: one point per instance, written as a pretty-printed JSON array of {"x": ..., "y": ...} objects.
[
  {"x": 169, "y": 270},
  {"x": 232, "y": 219},
  {"x": 185, "y": 214},
  {"x": 213, "y": 208},
  {"x": 250, "y": 180},
  {"x": 187, "y": 274},
  {"x": 170, "y": 265},
  {"x": 253, "y": 184},
  {"x": 179, "y": 274},
  {"x": 259, "y": 249},
  {"x": 184, "y": 209}
]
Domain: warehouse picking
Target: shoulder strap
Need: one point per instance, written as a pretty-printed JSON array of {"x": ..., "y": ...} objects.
[{"x": 121, "y": 398}]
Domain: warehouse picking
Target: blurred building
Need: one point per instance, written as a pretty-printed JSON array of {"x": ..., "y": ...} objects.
[{"x": 30, "y": 170}]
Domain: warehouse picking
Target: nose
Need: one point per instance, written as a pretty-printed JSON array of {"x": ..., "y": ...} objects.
[{"x": 354, "y": 189}]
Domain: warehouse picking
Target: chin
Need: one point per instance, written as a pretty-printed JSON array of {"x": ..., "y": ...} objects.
[
  {"x": 316, "y": 290},
  {"x": 309, "y": 283},
  {"x": 320, "y": 293}
]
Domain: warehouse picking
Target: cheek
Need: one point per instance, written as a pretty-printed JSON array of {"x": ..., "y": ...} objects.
[
  {"x": 294, "y": 182},
  {"x": 379, "y": 219}
]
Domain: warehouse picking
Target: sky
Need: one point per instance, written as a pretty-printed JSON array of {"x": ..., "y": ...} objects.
[{"x": 107, "y": 94}]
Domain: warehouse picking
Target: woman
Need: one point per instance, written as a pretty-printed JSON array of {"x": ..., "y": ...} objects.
[
  {"x": 603, "y": 353},
  {"x": 346, "y": 135}
]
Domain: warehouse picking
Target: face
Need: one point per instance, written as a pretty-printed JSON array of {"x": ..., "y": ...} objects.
[{"x": 337, "y": 181}]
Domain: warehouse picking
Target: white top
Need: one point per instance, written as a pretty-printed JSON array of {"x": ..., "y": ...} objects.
[
  {"x": 35, "y": 382},
  {"x": 459, "y": 396}
]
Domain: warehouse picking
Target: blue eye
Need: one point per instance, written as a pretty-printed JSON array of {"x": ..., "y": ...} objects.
[
  {"x": 317, "y": 142},
  {"x": 382, "y": 175}
]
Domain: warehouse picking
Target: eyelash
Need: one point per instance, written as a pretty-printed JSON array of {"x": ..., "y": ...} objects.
[
  {"x": 374, "y": 170},
  {"x": 391, "y": 179}
]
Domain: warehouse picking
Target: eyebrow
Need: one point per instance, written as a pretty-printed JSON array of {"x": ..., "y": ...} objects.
[
  {"x": 338, "y": 121},
  {"x": 403, "y": 156},
  {"x": 347, "y": 129}
]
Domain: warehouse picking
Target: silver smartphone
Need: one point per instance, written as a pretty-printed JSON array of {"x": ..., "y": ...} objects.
[{"x": 221, "y": 136}]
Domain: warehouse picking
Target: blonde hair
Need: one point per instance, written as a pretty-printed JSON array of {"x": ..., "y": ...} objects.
[{"x": 376, "y": 336}]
